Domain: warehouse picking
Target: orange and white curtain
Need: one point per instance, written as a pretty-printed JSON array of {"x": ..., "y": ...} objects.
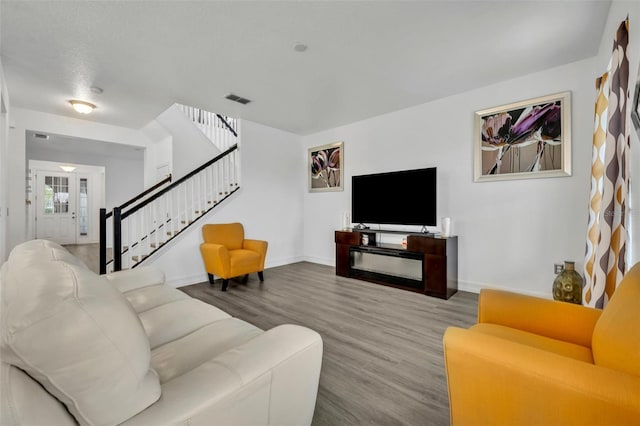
[{"x": 605, "y": 260}]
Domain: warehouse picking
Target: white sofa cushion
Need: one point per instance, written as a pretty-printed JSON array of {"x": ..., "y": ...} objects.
[
  {"x": 172, "y": 321},
  {"x": 24, "y": 402},
  {"x": 75, "y": 334},
  {"x": 153, "y": 296},
  {"x": 183, "y": 355}
]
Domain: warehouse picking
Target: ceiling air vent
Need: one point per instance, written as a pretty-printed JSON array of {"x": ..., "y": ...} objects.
[
  {"x": 41, "y": 136},
  {"x": 237, "y": 98}
]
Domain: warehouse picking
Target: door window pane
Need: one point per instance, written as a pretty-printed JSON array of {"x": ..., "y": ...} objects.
[{"x": 56, "y": 194}]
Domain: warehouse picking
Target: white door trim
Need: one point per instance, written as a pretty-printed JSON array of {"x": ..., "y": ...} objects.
[{"x": 96, "y": 195}]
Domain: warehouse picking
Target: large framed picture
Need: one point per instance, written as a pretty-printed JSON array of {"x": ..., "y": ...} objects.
[
  {"x": 326, "y": 167},
  {"x": 527, "y": 139}
]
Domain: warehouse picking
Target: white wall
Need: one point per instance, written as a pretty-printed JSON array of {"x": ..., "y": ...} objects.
[
  {"x": 124, "y": 177},
  {"x": 510, "y": 232},
  {"x": 159, "y": 153},
  {"x": 4, "y": 164},
  {"x": 191, "y": 148},
  {"x": 269, "y": 204},
  {"x": 23, "y": 120}
]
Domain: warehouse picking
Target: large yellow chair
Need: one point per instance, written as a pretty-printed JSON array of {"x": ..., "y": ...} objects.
[
  {"x": 533, "y": 361},
  {"x": 227, "y": 254}
]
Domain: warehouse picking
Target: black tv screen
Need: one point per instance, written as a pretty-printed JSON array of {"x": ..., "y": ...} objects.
[{"x": 406, "y": 197}]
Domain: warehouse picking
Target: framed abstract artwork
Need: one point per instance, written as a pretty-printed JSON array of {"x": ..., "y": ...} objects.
[
  {"x": 326, "y": 167},
  {"x": 527, "y": 139}
]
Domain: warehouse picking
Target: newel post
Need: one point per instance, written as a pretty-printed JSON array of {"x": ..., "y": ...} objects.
[{"x": 117, "y": 239}]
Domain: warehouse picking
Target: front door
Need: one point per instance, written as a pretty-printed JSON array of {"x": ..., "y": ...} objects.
[{"x": 56, "y": 207}]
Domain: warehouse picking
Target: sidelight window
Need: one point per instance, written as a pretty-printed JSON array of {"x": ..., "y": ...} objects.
[{"x": 83, "y": 208}]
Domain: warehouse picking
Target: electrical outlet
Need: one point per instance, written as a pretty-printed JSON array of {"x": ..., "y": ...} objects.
[{"x": 557, "y": 268}]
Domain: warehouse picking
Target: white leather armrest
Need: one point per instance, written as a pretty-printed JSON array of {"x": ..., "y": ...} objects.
[
  {"x": 272, "y": 379},
  {"x": 132, "y": 279}
]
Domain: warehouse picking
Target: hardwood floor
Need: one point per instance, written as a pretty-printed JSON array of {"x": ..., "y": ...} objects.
[{"x": 383, "y": 362}]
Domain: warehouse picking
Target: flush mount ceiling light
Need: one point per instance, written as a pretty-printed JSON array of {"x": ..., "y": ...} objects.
[
  {"x": 68, "y": 168},
  {"x": 82, "y": 107}
]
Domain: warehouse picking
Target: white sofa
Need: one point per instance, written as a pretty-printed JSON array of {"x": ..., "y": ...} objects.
[{"x": 125, "y": 348}]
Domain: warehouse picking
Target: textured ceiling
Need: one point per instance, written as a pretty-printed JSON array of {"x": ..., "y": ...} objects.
[{"x": 365, "y": 58}]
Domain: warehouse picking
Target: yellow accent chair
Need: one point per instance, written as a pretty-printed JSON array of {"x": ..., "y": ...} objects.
[
  {"x": 534, "y": 361},
  {"x": 227, "y": 254}
]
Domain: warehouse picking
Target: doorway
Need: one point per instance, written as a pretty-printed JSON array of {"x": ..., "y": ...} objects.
[{"x": 66, "y": 200}]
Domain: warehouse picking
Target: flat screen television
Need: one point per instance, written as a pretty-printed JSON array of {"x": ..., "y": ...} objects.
[{"x": 406, "y": 197}]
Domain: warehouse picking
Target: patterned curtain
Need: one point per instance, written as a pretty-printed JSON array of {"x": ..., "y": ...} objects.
[{"x": 605, "y": 259}]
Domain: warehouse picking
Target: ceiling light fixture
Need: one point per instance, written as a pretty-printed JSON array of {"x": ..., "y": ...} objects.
[
  {"x": 82, "y": 107},
  {"x": 68, "y": 168}
]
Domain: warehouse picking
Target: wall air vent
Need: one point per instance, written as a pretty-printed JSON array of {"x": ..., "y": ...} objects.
[
  {"x": 41, "y": 136},
  {"x": 237, "y": 98}
]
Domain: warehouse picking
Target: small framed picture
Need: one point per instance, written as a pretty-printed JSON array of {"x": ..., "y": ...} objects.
[
  {"x": 527, "y": 139},
  {"x": 326, "y": 167}
]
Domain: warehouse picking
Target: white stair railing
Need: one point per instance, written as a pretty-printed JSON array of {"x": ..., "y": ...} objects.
[
  {"x": 148, "y": 225},
  {"x": 221, "y": 130}
]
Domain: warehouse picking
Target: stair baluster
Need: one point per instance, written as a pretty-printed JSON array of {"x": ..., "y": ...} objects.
[{"x": 153, "y": 218}]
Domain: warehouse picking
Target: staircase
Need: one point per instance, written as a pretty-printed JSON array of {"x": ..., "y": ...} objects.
[
  {"x": 147, "y": 222},
  {"x": 220, "y": 129}
]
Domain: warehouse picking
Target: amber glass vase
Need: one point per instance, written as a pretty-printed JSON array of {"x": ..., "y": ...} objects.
[{"x": 567, "y": 286}]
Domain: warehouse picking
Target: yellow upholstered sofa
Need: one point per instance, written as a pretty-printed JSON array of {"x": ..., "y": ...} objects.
[
  {"x": 227, "y": 254},
  {"x": 533, "y": 361}
]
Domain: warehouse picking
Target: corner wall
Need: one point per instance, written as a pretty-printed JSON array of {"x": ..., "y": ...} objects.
[{"x": 191, "y": 148}]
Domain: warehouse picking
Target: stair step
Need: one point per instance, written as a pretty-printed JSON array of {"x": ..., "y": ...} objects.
[
  {"x": 135, "y": 258},
  {"x": 184, "y": 222},
  {"x": 154, "y": 245}
]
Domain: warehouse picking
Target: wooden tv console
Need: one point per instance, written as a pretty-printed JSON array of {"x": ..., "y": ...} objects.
[{"x": 430, "y": 261}]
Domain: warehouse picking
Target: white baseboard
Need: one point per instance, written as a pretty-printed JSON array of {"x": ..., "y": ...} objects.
[
  {"x": 319, "y": 260},
  {"x": 187, "y": 280},
  {"x": 200, "y": 278},
  {"x": 463, "y": 285},
  {"x": 282, "y": 262},
  {"x": 475, "y": 287}
]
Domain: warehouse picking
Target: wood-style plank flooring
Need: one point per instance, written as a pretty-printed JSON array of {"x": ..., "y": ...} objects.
[{"x": 383, "y": 361}]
